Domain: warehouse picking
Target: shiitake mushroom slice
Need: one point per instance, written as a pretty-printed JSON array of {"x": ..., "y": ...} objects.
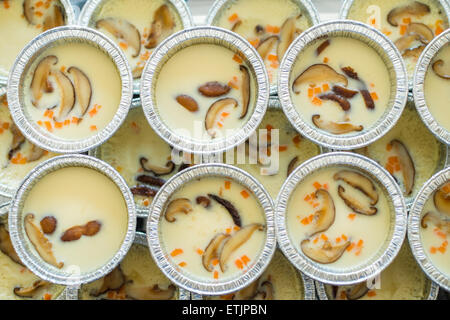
[
  {"x": 39, "y": 82},
  {"x": 153, "y": 181},
  {"x": 266, "y": 45},
  {"x": 29, "y": 292},
  {"x": 235, "y": 241},
  {"x": 54, "y": 19},
  {"x": 325, "y": 254},
  {"x": 442, "y": 201},
  {"x": 6, "y": 245},
  {"x": 406, "y": 165},
  {"x": 440, "y": 70},
  {"x": 67, "y": 94},
  {"x": 359, "y": 182},
  {"x": 229, "y": 207},
  {"x": 435, "y": 219},
  {"x": 292, "y": 165},
  {"x": 287, "y": 35},
  {"x": 187, "y": 102},
  {"x": 83, "y": 88},
  {"x": 123, "y": 30},
  {"x": 156, "y": 170},
  {"x": 245, "y": 90},
  {"x": 112, "y": 281},
  {"x": 42, "y": 245},
  {"x": 354, "y": 204},
  {"x": 416, "y": 8},
  {"x": 162, "y": 25},
  {"x": 212, "y": 250},
  {"x": 341, "y": 101},
  {"x": 143, "y": 191},
  {"x": 324, "y": 217},
  {"x": 17, "y": 141},
  {"x": 29, "y": 12},
  {"x": 177, "y": 206},
  {"x": 335, "y": 127},
  {"x": 214, "y": 110},
  {"x": 318, "y": 73},
  {"x": 213, "y": 89},
  {"x": 322, "y": 47}
]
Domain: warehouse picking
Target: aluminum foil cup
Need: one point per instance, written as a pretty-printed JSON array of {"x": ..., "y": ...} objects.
[
  {"x": 306, "y": 7},
  {"x": 202, "y": 35},
  {"x": 23, "y": 246},
  {"x": 141, "y": 239},
  {"x": 91, "y": 8},
  {"x": 308, "y": 289},
  {"x": 431, "y": 293},
  {"x": 70, "y": 20},
  {"x": 347, "y": 5},
  {"x": 5, "y": 191},
  {"x": 389, "y": 54},
  {"x": 418, "y": 89},
  {"x": 32, "y": 51},
  {"x": 160, "y": 255},
  {"x": 414, "y": 237},
  {"x": 141, "y": 211},
  {"x": 390, "y": 248}
]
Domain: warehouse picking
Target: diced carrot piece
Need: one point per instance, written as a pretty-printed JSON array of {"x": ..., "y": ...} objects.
[
  {"x": 304, "y": 221},
  {"x": 274, "y": 65},
  {"x": 40, "y": 123},
  {"x": 225, "y": 114},
  {"x": 215, "y": 262},
  {"x": 325, "y": 186},
  {"x": 442, "y": 249},
  {"x": 316, "y": 101},
  {"x": 176, "y": 252},
  {"x": 182, "y": 264},
  {"x": 38, "y": 14},
  {"x": 1, "y": 130},
  {"x": 360, "y": 243},
  {"x": 199, "y": 251},
  {"x": 93, "y": 112},
  {"x": 228, "y": 230},
  {"x": 233, "y": 17},
  {"x": 237, "y": 58},
  {"x": 371, "y": 293},
  {"x": 390, "y": 168},
  {"x": 344, "y": 237},
  {"x": 307, "y": 197},
  {"x": 282, "y": 148},
  {"x": 323, "y": 237},
  {"x": 351, "y": 216},
  {"x": 397, "y": 167},
  {"x": 146, "y": 202},
  {"x": 374, "y": 95},
  {"x": 338, "y": 239},
  {"x": 58, "y": 125},
  {"x": 6, "y": 4},
  {"x": 446, "y": 188},
  {"x": 233, "y": 85},
  {"x": 93, "y": 128},
  {"x": 373, "y": 21},
  {"x": 48, "y": 126},
  {"x": 317, "y": 185},
  {"x": 310, "y": 92},
  {"x": 317, "y": 90},
  {"x": 407, "y": 20},
  {"x": 216, "y": 274},
  {"x": 5, "y": 125},
  {"x": 325, "y": 87},
  {"x": 388, "y": 147},
  {"x": 47, "y": 296},
  {"x": 403, "y": 29},
  {"x": 245, "y": 194},
  {"x": 315, "y": 240},
  {"x": 239, "y": 264},
  {"x": 439, "y": 30},
  {"x": 245, "y": 259},
  {"x": 236, "y": 228},
  {"x": 272, "y": 57},
  {"x": 227, "y": 185},
  {"x": 75, "y": 120},
  {"x": 387, "y": 32},
  {"x": 325, "y": 60},
  {"x": 272, "y": 29},
  {"x": 350, "y": 247},
  {"x": 315, "y": 205},
  {"x": 433, "y": 250},
  {"x": 39, "y": 4}
]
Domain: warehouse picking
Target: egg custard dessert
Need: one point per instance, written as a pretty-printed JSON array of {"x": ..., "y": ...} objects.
[
  {"x": 435, "y": 228},
  {"x": 410, "y": 24},
  {"x": 269, "y": 25},
  {"x": 137, "y": 26},
  {"x": 16, "y": 281},
  {"x": 291, "y": 151},
  {"x": 335, "y": 90},
  {"x": 18, "y": 156},
  {"x": 72, "y": 90},
  {"x": 409, "y": 151},
  {"x": 338, "y": 216},
  {"x": 401, "y": 280},
  {"x": 214, "y": 94},
  {"x": 75, "y": 217},
  {"x": 21, "y": 21},
  {"x": 437, "y": 85},
  {"x": 280, "y": 281},
  {"x": 136, "y": 278},
  {"x": 141, "y": 156},
  {"x": 213, "y": 229}
]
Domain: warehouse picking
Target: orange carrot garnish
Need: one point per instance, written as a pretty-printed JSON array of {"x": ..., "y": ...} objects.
[
  {"x": 323, "y": 237},
  {"x": 216, "y": 274},
  {"x": 237, "y": 58},
  {"x": 351, "y": 216},
  {"x": 239, "y": 264},
  {"x": 47, "y": 296},
  {"x": 316, "y": 101},
  {"x": 317, "y": 185},
  {"x": 233, "y": 17},
  {"x": 371, "y": 293},
  {"x": 227, "y": 185},
  {"x": 182, "y": 264},
  {"x": 176, "y": 252},
  {"x": 215, "y": 262},
  {"x": 310, "y": 92},
  {"x": 245, "y": 194},
  {"x": 374, "y": 95},
  {"x": 199, "y": 251},
  {"x": 272, "y": 29},
  {"x": 325, "y": 60}
]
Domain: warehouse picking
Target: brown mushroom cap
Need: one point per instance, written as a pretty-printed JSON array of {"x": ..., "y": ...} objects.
[
  {"x": 325, "y": 254},
  {"x": 39, "y": 82},
  {"x": 292, "y": 165},
  {"x": 156, "y": 170},
  {"x": 213, "y": 89},
  {"x": 177, "y": 206},
  {"x": 235, "y": 241},
  {"x": 162, "y": 25},
  {"x": 187, "y": 102},
  {"x": 424, "y": 32},
  {"x": 318, "y": 73}
]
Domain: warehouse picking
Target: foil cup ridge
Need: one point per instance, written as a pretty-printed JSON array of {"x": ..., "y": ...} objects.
[
  {"x": 420, "y": 72},
  {"x": 414, "y": 237},
  {"x": 305, "y": 6},
  {"x": 392, "y": 244},
  {"x": 91, "y": 6},
  {"x": 21, "y": 245},
  {"x": 193, "y": 36},
  {"x": 387, "y": 51},
  {"x": 30, "y": 52},
  {"x": 161, "y": 257}
]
